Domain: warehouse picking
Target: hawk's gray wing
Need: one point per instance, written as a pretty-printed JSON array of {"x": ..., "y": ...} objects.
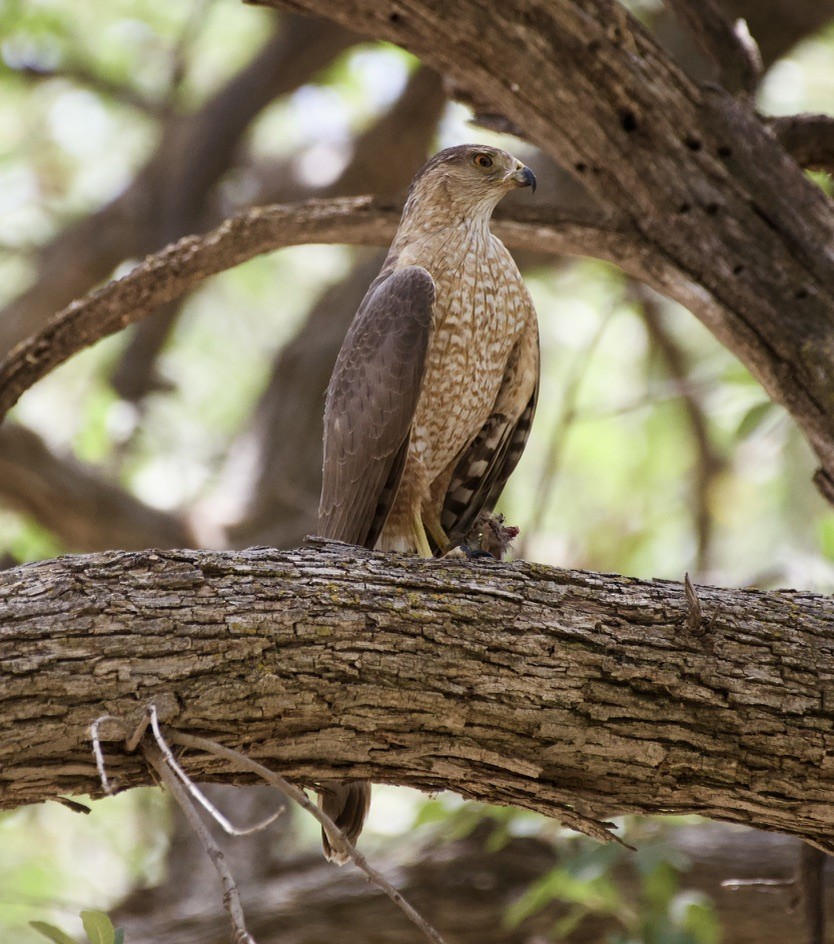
[
  {"x": 371, "y": 400},
  {"x": 485, "y": 465}
]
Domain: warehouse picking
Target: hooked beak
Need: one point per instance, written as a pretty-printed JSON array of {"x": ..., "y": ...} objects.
[{"x": 523, "y": 177}]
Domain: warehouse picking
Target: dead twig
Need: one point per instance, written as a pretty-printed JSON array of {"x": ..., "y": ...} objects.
[
  {"x": 161, "y": 759},
  {"x": 693, "y": 616},
  {"x": 335, "y": 835},
  {"x": 195, "y": 792},
  {"x": 231, "y": 896},
  {"x": 97, "y": 751}
]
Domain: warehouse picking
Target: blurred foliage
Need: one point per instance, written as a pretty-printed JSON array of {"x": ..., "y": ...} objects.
[
  {"x": 56, "y": 862},
  {"x": 97, "y": 926},
  {"x": 586, "y": 879},
  {"x": 608, "y": 481}
]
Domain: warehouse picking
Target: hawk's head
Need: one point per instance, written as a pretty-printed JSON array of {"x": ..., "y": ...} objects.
[{"x": 470, "y": 178}]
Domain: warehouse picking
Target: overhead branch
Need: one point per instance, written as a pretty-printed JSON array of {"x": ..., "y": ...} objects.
[
  {"x": 168, "y": 274},
  {"x": 744, "y": 235},
  {"x": 729, "y": 45},
  {"x": 578, "y": 695},
  {"x": 809, "y": 139},
  {"x": 84, "y": 510}
]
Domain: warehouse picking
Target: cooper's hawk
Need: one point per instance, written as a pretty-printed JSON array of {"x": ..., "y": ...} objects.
[{"x": 432, "y": 396}]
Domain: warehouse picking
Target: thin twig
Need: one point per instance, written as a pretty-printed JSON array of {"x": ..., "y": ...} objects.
[
  {"x": 708, "y": 460},
  {"x": 231, "y": 896},
  {"x": 766, "y": 883},
  {"x": 337, "y": 838},
  {"x": 132, "y": 742},
  {"x": 195, "y": 791},
  {"x": 97, "y": 752},
  {"x": 556, "y": 447}
]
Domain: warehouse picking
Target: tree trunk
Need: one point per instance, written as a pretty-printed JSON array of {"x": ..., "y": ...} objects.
[{"x": 579, "y": 695}]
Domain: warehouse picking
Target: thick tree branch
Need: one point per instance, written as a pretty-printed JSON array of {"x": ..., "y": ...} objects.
[
  {"x": 570, "y": 693},
  {"x": 76, "y": 502},
  {"x": 171, "y": 272},
  {"x": 728, "y": 44}
]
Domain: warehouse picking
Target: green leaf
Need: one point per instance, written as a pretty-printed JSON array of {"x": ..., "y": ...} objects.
[
  {"x": 99, "y": 927},
  {"x": 825, "y": 533},
  {"x": 697, "y": 916},
  {"x": 755, "y": 418},
  {"x": 56, "y": 935}
]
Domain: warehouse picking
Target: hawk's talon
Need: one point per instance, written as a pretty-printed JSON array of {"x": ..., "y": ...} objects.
[{"x": 472, "y": 554}]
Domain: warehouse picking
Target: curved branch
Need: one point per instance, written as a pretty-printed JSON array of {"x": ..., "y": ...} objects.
[
  {"x": 167, "y": 274},
  {"x": 75, "y": 501},
  {"x": 167, "y": 197},
  {"x": 575, "y": 694}
]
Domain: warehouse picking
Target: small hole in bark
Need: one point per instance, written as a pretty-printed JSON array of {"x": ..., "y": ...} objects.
[
  {"x": 580, "y": 167},
  {"x": 802, "y": 293},
  {"x": 628, "y": 120},
  {"x": 693, "y": 143},
  {"x": 395, "y": 17},
  {"x": 725, "y": 151},
  {"x": 738, "y": 269},
  {"x": 712, "y": 209},
  {"x": 684, "y": 208}
]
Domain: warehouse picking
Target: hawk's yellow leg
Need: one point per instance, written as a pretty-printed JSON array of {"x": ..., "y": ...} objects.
[
  {"x": 423, "y": 546},
  {"x": 434, "y": 528}
]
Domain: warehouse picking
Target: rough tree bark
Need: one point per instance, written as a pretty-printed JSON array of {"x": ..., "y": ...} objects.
[{"x": 574, "y": 694}]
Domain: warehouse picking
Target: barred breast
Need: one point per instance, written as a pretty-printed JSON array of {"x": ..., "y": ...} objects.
[{"x": 482, "y": 307}]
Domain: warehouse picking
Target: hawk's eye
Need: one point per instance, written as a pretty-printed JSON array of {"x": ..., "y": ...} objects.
[{"x": 482, "y": 160}]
